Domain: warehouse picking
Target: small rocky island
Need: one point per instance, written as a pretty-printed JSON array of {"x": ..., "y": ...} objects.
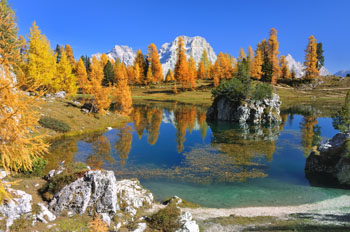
[{"x": 238, "y": 101}]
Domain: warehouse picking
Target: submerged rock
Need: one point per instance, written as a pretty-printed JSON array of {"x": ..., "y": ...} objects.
[
  {"x": 330, "y": 163},
  {"x": 250, "y": 111}
]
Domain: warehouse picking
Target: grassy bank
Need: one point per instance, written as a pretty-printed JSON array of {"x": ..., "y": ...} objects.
[{"x": 79, "y": 122}]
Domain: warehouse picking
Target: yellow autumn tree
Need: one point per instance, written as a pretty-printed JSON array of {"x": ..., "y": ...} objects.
[
  {"x": 201, "y": 72},
  {"x": 82, "y": 77},
  {"x": 241, "y": 54},
  {"x": 273, "y": 55},
  {"x": 169, "y": 76},
  {"x": 64, "y": 78},
  {"x": 285, "y": 74},
  {"x": 154, "y": 62},
  {"x": 140, "y": 60},
  {"x": 216, "y": 73},
  {"x": 137, "y": 74},
  {"x": 104, "y": 59},
  {"x": 41, "y": 67},
  {"x": 100, "y": 94},
  {"x": 69, "y": 51},
  {"x": 311, "y": 71},
  {"x": 122, "y": 95},
  {"x": 192, "y": 73},
  {"x": 19, "y": 144},
  {"x": 207, "y": 64},
  {"x": 149, "y": 76},
  {"x": 251, "y": 58},
  {"x": 181, "y": 66},
  {"x": 256, "y": 69}
]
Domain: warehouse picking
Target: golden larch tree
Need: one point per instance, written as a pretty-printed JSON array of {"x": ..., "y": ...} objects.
[
  {"x": 101, "y": 95},
  {"x": 251, "y": 58},
  {"x": 82, "y": 77},
  {"x": 311, "y": 71},
  {"x": 122, "y": 95},
  {"x": 273, "y": 55},
  {"x": 131, "y": 74},
  {"x": 169, "y": 76},
  {"x": 285, "y": 74},
  {"x": 149, "y": 76},
  {"x": 137, "y": 74},
  {"x": 216, "y": 73},
  {"x": 181, "y": 66},
  {"x": 201, "y": 72},
  {"x": 256, "y": 69},
  {"x": 241, "y": 54},
  {"x": 66, "y": 80},
  {"x": 19, "y": 143},
  {"x": 192, "y": 73},
  {"x": 207, "y": 64},
  {"x": 140, "y": 60},
  {"x": 69, "y": 51},
  {"x": 41, "y": 66},
  {"x": 154, "y": 62},
  {"x": 104, "y": 59}
]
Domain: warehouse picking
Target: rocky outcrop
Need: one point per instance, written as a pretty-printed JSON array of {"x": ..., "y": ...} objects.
[
  {"x": 17, "y": 206},
  {"x": 100, "y": 192},
  {"x": 266, "y": 111},
  {"x": 331, "y": 162}
]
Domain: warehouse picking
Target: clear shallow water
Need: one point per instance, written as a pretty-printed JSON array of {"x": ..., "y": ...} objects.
[{"x": 173, "y": 151}]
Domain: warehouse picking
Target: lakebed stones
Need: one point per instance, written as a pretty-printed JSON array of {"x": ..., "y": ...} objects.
[
  {"x": 331, "y": 162},
  {"x": 266, "y": 111}
]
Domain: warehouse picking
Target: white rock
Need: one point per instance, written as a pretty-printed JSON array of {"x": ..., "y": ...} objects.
[
  {"x": 45, "y": 213},
  {"x": 60, "y": 94},
  {"x": 55, "y": 172},
  {"x": 109, "y": 128},
  {"x": 130, "y": 210},
  {"x": 3, "y": 174},
  {"x": 187, "y": 224},
  {"x": 106, "y": 218},
  {"x": 14, "y": 208},
  {"x": 140, "y": 227}
]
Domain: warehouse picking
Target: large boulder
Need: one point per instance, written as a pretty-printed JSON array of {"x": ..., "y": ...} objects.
[
  {"x": 330, "y": 163},
  {"x": 100, "y": 192},
  {"x": 266, "y": 111}
]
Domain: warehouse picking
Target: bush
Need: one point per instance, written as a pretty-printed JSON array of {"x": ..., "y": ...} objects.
[
  {"x": 166, "y": 219},
  {"x": 54, "y": 124},
  {"x": 72, "y": 172},
  {"x": 38, "y": 166},
  {"x": 261, "y": 91},
  {"x": 236, "y": 90},
  {"x": 232, "y": 89}
]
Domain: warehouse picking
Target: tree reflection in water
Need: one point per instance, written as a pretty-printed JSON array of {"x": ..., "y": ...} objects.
[{"x": 123, "y": 143}]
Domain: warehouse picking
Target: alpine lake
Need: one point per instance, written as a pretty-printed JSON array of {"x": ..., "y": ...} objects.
[{"x": 172, "y": 150}]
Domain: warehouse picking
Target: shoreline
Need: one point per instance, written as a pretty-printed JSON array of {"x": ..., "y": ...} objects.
[{"x": 329, "y": 206}]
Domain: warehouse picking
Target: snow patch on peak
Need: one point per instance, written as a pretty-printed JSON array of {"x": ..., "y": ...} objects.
[
  {"x": 193, "y": 45},
  {"x": 342, "y": 73},
  {"x": 125, "y": 53}
]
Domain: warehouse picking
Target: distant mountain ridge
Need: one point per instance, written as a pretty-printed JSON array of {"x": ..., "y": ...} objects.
[
  {"x": 342, "y": 73},
  {"x": 194, "y": 46}
]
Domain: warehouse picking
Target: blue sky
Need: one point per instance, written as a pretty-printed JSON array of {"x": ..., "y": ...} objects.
[{"x": 96, "y": 26}]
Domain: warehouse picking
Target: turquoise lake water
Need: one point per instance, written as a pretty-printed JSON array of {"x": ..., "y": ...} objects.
[{"x": 172, "y": 150}]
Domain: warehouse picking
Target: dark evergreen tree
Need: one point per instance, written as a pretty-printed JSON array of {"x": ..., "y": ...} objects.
[
  {"x": 87, "y": 62},
  {"x": 348, "y": 75},
  {"x": 243, "y": 74},
  {"x": 320, "y": 56},
  {"x": 341, "y": 121},
  {"x": 108, "y": 71},
  {"x": 267, "y": 69},
  {"x": 58, "y": 53}
]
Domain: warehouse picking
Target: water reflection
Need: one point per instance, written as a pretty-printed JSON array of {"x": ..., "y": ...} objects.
[{"x": 225, "y": 152}]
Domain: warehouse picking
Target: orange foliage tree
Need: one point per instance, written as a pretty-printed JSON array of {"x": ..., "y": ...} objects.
[
  {"x": 69, "y": 51},
  {"x": 181, "y": 66},
  {"x": 311, "y": 59},
  {"x": 19, "y": 144},
  {"x": 285, "y": 74},
  {"x": 154, "y": 62},
  {"x": 273, "y": 55},
  {"x": 192, "y": 73}
]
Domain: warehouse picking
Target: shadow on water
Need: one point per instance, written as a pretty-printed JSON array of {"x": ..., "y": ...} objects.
[{"x": 173, "y": 151}]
